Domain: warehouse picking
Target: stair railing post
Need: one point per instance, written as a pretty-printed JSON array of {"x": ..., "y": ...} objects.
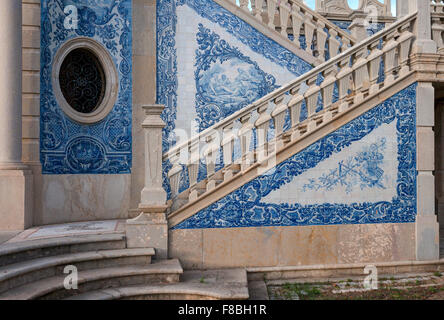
[{"x": 150, "y": 228}]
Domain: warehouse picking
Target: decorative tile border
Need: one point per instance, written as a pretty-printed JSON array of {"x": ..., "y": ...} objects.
[
  {"x": 243, "y": 207},
  {"x": 67, "y": 147}
]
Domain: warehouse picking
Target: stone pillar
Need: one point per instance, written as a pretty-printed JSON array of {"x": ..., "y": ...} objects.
[
  {"x": 150, "y": 228},
  {"x": 15, "y": 178},
  {"x": 427, "y": 227},
  {"x": 423, "y": 27}
]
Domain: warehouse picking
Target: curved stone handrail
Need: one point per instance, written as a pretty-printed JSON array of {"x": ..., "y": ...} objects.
[{"x": 354, "y": 74}]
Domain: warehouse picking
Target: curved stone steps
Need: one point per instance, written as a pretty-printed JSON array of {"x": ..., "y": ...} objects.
[
  {"x": 179, "y": 291},
  {"x": 195, "y": 285},
  {"x": 15, "y": 252},
  {"x": 167, "y": 271},
  {"x": 28, "y": 271}
]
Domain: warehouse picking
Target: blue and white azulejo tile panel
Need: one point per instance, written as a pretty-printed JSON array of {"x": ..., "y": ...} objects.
[
  {"x": 67, "y": 147},
  {"x": 363, "y": 173},
  {"x": 210, "y": 64}
]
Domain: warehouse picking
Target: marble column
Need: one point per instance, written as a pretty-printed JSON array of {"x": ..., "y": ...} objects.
[
  {"x": 10, "y": 84},
  {"x": 15, "y": 178}
]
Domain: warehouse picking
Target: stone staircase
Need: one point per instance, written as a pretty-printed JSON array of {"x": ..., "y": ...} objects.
[
  {"x": 107, "y": 269},
  {"x": 271, "y": 130}
]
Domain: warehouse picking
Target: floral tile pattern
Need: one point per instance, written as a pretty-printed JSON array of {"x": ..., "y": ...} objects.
[{"x": 67, "y": 147}]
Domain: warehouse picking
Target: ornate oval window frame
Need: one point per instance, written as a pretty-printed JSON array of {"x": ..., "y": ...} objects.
[{"x": 109, "y": 70}]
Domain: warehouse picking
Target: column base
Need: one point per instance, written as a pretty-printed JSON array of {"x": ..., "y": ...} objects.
[
  {"x": 16, "y": 198},
  {"x": 149, "y": 230},
  {"x": 427, "y": 238}
]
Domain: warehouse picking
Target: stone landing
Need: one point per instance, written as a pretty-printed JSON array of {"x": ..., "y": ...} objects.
[{"x": 70, "y": 229}]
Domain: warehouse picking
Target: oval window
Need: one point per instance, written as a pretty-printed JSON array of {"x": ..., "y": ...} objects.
[{"x": 82, "y": 80}]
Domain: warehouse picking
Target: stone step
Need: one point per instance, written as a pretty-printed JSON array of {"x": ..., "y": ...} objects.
[
  {"x": 195, "y": 285},
  {"x": 25, "y": 250},
  {"x": 21, "y": 273},
  {"x": 167, "y": 271}
]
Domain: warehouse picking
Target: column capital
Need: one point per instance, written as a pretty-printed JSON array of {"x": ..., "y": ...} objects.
[{"x": 153, "y": 113}]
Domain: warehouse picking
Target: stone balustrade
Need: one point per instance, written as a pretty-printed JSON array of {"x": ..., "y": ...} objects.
[
  {"x": 267, "y": 125},
  {"x": 323, "y": 39},
  {"x": 437, "y": 12}
]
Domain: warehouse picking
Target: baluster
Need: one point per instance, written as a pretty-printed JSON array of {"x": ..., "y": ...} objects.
[
  {"x": 405, "y": 41},
  {"x": 312, "y": 95},
  {"x": 193, "y": 169},
  {"x": 284, "y": 14},
  {"x": 244, "y": 5},
  {"x": 360, "y": 75},
  {"x": 228, "y": 149},
  {"x": 345, "y": 44},
  {"x": 344, "y": 83},
  {"x": 279, "y": 114},
  {"x": 309, "y": 29},
  {"x": 175, "y": 173},
  {"x": 437, "y": 32},
  {"x": 245, "y": 135},
  {"x": 295, "y": 105},
  {"x": 333, "y": 43},
  {"x": 210, "y": 158},
  {"x": 374, "y": 59},
  {"x": 321, "y": 37},
  {"x": 262, "y": 125},
  {"x": 296, "y": 20},
  {"x": 271, "y": 11},
  {"x": 258, "y": 4},
  {"x": 390, "y": 58},
  {"x": 327, "y": 89}
]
